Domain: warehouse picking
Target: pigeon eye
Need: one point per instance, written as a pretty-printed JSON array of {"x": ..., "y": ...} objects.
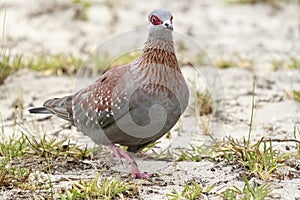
[
  {"x": 153, "y": 20},
  {"x": 171, "y": 19}
]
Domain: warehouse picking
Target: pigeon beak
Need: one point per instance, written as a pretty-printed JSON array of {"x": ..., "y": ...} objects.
[{"x": 168, "y": 24}]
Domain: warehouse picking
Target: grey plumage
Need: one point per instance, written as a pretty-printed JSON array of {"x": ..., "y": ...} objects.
[{"x": 134, "y": 104}]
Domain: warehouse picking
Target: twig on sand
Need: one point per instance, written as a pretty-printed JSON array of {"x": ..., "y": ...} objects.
[{"x": 281, "y": 140}]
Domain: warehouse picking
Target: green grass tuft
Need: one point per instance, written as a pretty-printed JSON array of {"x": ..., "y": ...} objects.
[
  {"x": 190, "y": 191},
  {"x": 25, "y": 147},
  {"x": 22, "y": 156},
  {"x": 14, "y": 147},
  {"x": 11, "y": 176},
  {"x": 290, "y": 63},
  {"x": 296, "y": 95},
  {"x": 261, "y": 159},
  {"x": 235, "y": 61},
  {"x": 81, "y": 9},
  {"x": 196, "y": 154},
  {"x": 48, "y": 64},
  {"x": 100, "y": 188},
  {"x": 248, "y": 192}
]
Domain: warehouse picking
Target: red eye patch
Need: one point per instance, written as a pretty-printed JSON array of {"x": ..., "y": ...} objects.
[{"x": 155, "y": 20}]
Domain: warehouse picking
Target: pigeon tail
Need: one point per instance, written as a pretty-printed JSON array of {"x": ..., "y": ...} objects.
[
  {"x": 61, "y": 107},
  {"x": 40, "y": 110}
]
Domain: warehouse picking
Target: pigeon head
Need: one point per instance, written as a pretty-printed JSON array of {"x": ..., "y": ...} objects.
[{"x": 160, "y": 25}]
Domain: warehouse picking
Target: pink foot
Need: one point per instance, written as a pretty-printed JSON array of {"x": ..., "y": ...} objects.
[{"x": 135, "y": 172}]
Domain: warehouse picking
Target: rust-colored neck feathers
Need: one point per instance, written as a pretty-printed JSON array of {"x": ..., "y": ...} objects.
[
  {"x": 158, "y": 52},
  {"x": 158, "y": 67}
]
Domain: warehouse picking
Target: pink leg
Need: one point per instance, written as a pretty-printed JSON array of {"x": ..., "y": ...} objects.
[{"x": 119, "y": 154}]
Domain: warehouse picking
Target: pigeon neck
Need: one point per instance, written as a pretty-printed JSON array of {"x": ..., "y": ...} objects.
[
  {"x": 158, "y": 65},
  {"x": 159, "y": 52},
  {"x": 160, "y": 33},
  {"x": 163, "y": 45}
]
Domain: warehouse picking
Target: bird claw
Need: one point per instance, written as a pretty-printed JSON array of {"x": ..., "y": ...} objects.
[
  {"x": 135, "y": 173},
  {"x": 140, "y": 175}
]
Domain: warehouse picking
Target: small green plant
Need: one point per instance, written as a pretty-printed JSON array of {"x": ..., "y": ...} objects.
[
  {"x": 181, "y": 47},
  {"x": 165, "y": 154},
  {"x": 11, "y": 176},
  {"x": 23, "y": 158},
  {"x": 277, "y": 64},
  {"x": 158, "y": 153},
  {"x": 265, "y": 162},
  {"x": 296, "y": 95},
  {"x": 24, "y": 146},
  {"x": 82, "y": 7},
  {"x": 45, "y": 147},
  {"x": 294, "y": 63},
  {"x": 204, "y": 103},
  {"x": 9, "y": 65},
  {"x": 289, "y": 63},
  {"x": 100, "y": 188},
  {"x": 224, "y": 63},
  {"x": 54, "y": 64},
  {"x": 262, "y": 162},
  {"x": 48, "y": 64},
  {"x": 260, "y": 158},
  {"x": 232, "y": 193},
  {"x": 235, "y": 61},
  {"x": 248, "y": 192},
  {"x": 13, "y": 147},
  {"x": 196, "y": 154},
  {"x": 190, "y": 191},
  {"x": 150, "y": 146}
]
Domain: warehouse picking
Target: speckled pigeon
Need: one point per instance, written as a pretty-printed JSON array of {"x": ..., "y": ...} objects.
[{"x": 134, "y": 104}]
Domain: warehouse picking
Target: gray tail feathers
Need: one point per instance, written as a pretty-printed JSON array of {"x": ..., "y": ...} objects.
[{"x": 61, "y": 107}]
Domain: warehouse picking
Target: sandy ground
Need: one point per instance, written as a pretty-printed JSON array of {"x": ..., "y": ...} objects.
[{"x": 260, "y": 32}]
